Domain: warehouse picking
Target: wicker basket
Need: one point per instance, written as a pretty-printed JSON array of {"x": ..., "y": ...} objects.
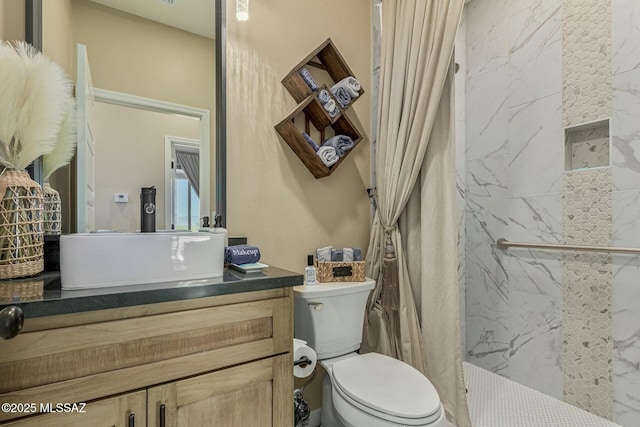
[
  {"x": 52, "y": 221},
  {"x": 14, "y": 292},
  {"x": 340, "y": 271},
  {"x": 21, "y": 237}
]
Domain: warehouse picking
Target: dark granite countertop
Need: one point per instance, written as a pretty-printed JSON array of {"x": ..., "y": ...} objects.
[{"x": 55, "y": 301}]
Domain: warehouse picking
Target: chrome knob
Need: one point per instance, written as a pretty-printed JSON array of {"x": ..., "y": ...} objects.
[{"x": 11, "y": 321}]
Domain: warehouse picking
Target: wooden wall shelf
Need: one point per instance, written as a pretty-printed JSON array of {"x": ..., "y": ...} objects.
[
  {"x": 327, "y": 58},
  {"x": 293, "y": 137}
]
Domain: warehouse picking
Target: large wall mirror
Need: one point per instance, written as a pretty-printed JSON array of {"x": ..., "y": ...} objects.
[{"x": 153, "y": 74}]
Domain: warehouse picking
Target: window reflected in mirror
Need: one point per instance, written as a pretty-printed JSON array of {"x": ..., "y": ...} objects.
[{"x": 185, "y": 187}]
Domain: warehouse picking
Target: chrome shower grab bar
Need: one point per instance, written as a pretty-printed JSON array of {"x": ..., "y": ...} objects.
[{"x": 503, "y": 243}]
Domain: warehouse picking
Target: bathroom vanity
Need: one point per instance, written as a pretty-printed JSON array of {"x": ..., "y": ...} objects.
[{"x": 196, "y": 353}]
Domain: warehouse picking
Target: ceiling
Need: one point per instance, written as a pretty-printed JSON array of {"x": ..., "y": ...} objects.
[{"x": 194, "y": 16}]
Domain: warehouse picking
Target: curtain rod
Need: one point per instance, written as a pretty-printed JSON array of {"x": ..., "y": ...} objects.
[{"x": 503, "y": 243}]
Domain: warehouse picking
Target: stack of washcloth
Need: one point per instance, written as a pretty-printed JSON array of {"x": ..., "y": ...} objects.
[
  {"x": 346, "y": 90},
  {"x": 241, "y": 254},
  {"x": 308, "y": 79},
  {"x": 331, "y": 149},
  {"x": 329, "y": 104},
  {"x": 329, "y": 254}
]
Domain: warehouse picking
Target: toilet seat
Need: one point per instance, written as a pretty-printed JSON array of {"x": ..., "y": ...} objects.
[{"x": 387, "y": 388}]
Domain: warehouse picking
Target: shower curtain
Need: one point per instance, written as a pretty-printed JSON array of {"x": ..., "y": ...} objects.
[{"x": 413, "y": 312}]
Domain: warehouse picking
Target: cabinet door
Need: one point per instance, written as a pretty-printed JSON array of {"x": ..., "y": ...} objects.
[
  {"x": 128, "y": 410},
  {"x": 254, "y": 394}
]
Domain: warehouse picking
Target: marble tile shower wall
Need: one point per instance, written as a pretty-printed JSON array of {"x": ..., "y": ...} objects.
[
  {"x": 514, "y": 165},
  {"x": 513, "y": 188},
  {"x": 625, "y": 156}
]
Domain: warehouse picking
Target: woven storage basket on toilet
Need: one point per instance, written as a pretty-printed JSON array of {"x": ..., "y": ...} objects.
[
  {"x": 21, "y": 237},
  {"x": 352, "y": 271},
  {"x": 21, "y": 291}
]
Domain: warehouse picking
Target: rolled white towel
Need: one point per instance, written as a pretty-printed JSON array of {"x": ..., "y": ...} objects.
[
  {"x": 342, "y": 144},
  {"x": 324, "y": 96},
  {"x": 331, "y": 107},
  {"x": 351, "y": 84},
  {"x": 328, "y": 156},
  {"x": 347, "y": 254}
]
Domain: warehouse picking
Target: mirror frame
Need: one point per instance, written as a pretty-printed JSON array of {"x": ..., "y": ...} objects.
[{"x": 33, "y": 35}]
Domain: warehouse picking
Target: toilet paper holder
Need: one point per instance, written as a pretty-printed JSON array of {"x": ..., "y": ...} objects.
[{"x": 303, "y": 362}]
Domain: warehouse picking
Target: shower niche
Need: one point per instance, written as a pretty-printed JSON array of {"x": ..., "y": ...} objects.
[{"x": 587, "y": 145}]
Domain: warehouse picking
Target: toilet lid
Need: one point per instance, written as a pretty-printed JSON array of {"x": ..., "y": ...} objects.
[{"x": 386, "y": 385}]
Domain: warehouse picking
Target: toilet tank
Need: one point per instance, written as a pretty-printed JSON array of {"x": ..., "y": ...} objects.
[{"x": 329, "y": 316}]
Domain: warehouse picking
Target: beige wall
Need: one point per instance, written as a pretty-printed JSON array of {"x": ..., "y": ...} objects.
[
  {"x": 130, "y": 147},
  {"x": 272, "y": 197},
  {"x": 58, "y": 34},
  {"x": 12, "y": 17},
  {"x": 133, "y": 55}
]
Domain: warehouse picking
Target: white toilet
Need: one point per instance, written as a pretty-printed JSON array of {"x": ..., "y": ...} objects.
[{"x": 369, "y": 390}]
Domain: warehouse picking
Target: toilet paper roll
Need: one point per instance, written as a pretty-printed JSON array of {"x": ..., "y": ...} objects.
[{"x": 300, "y": 350}]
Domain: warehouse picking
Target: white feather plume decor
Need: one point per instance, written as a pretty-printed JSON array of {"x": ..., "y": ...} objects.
[
  {"x": 34, "y": 92},
  {"x": 65, "y": 145}
]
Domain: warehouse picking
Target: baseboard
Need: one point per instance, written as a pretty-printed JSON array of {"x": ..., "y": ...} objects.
[{"x": 315, "y": 418}]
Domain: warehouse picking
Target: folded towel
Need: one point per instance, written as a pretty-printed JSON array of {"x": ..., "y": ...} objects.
[
  {"x": 308, "y": 79},
  {"x": 337, "y": 255},
  {"x": 331, "y": 108},
  {"x": 342, "y": 144},
  {"x": 324, "y": 254},
  {"x": 324, "y": 96},
  {"x": 241, "y": 254},
  {"x": 357, "y": 254},
  {"x": 351, "y": 84},
  {"x": 342, "y": 95},
  {"x": 311, "y": 142},
  {"x": 328, "y": 156},
  {"x": 347, "y": 254}
]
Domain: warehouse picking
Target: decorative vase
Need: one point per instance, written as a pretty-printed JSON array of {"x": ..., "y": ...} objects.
[
  {"x": 21, "y": 236},
  {"x": 52, "y": 221}
]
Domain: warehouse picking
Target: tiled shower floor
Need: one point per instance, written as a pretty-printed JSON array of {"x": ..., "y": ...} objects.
[{"x": 495, "y": 401}]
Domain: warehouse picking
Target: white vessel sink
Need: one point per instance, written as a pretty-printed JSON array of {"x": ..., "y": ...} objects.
[{"x": 95, "y": 260}]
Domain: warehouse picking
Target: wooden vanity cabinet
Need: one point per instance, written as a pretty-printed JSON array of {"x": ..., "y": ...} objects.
[{"x": 218, "y": 361}]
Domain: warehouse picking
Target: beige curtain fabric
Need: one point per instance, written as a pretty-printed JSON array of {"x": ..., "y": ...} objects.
[
  {"x": 429, "y": 227},
  {"x": 414, "y": 161}
]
